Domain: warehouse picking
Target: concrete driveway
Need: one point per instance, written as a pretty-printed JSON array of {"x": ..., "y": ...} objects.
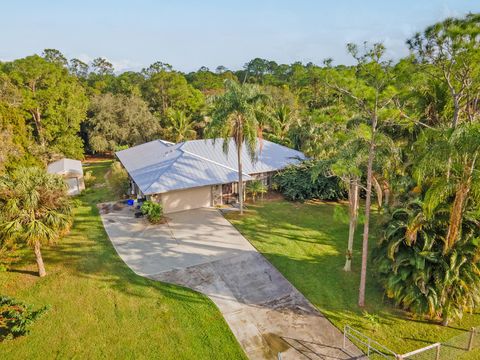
[{"x": 201, "y": 250}]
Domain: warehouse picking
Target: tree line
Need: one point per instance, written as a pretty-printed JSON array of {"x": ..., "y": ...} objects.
[{"x": 401, "y": 137}]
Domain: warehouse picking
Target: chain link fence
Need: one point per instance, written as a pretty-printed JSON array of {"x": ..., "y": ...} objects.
[
  {"x": 450, "y": 349},
  {"x": 447, "y": 350}
]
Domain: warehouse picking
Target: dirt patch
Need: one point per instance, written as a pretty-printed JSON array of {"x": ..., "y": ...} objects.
[
  {"x": 118, "y": 206},
  {"x": 104, "y": 208},
  {"x": 94, "y": 159}
]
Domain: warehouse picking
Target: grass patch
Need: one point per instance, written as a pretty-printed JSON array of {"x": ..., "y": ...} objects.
[
  {"x": 307, "y": 243},
  {"x": 101, "y": 310}
]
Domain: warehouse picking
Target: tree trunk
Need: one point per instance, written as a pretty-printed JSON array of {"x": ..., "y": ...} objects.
[
  {"x": 456, "y": 216},
  {"x": 38, "y": 125},
  {"x": 456, "y": 111},
  {"x": 386, "y": 191},
  {"x": 240, "y": 176},
  {"x": 445, "y": 315},
  {"x": 378, "y": 191},
  {"x": 353, "y": 212},
  {"x": 38, "y": 256},
  {"x": 366, "y": 227}
]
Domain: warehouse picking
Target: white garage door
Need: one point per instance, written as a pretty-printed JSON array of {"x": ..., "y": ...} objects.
[{"x": 186, "y": 199}]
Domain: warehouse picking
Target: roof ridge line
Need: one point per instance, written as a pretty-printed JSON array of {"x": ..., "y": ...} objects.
[
  {"x": 164, "y": 170},
  {"x": 214, "y": 162}
]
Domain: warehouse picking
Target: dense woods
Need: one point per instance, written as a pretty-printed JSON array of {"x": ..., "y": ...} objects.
[{"x": 401, "y": 137}]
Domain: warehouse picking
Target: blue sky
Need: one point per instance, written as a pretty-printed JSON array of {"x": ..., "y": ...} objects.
[{"x": 189, "y": 34}]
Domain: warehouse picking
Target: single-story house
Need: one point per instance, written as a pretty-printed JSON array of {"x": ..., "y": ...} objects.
[
  {"x": 72, "y": 172},
  {"x": 198, "y": 173}
]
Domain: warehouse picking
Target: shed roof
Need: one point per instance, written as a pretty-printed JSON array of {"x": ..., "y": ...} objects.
[
  {"x": 159, "y": 166},
  {"x": 64, "y": 166}
]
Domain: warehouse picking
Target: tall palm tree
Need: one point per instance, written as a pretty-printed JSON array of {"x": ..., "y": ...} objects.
[
  {"x": 34, "y": 209},
  {"x": 179, "y": 126},
  {"x": 236, "y": 115},
  {"x": 347, "y": 167}
]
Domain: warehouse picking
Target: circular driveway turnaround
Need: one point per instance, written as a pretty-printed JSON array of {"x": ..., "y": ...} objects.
[{"x": 201, "y": 250}]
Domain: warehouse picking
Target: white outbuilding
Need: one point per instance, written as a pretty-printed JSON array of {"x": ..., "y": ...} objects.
[{"x": 72, "y": 172}]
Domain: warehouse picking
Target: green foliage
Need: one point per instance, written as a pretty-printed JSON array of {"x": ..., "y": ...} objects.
[
  {"x": 153, "y": 210},
  {"x": 89, "y": 179},
  {"x": 117, "y": 179},
  {"x": 372, "y": 319},
  {"x": 179, "y": 127},
  {"x": 169, "y": 89},
  {"x": 255, "y": 188},
  {"x": 449, "y": 52},
  {"x": 16, "y": 317},
  {"x": 119, "y": 120},
  {"x": 34, "y": 207},
  {"x": 54, "y": 104},
  {"x": 304, "y": 182},
  {"x": 208, "y": 82},
  {"x": 8, "y": 254},
  {"x": 236, "y": 115},
  {"x": 416, "y": 272}
]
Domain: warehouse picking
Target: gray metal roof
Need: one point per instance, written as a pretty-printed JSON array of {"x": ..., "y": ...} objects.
[{"x": 159, "y": 166}]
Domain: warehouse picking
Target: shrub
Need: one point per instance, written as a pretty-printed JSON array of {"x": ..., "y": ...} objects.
[
  {"x": 153, "y": 211},
  {"x": 16, "y": 317},
  {"x": 256, "y": 187},
  {"x": 8, "y": 254},
  {"x": 417, "y": 274},
  {"x": 117, "y": 179},
  {"x": 308, "y": 180},
  {"x": 89, "y": 179}
]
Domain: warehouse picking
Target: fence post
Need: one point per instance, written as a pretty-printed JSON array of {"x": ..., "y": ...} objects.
[
  {"x": 470, "y": 340},
  {"x": 438, "y": 353}
]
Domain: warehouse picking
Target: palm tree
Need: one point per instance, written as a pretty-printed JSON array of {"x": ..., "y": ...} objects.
[
  {"x": 348, "y": 166},
  {"x": 256, "y": 187},
  {"x": 282, "y": 118},
  {"x": 449, "y": 164},
  {"x": 34, "y": 209},
  {"x": 179, "y": 127},
  {"x": 236, "y": 115},
  {"x": 416, "y": 273}
]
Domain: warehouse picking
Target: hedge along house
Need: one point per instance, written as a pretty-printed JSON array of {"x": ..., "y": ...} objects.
[{"x": 198, "y": 173}]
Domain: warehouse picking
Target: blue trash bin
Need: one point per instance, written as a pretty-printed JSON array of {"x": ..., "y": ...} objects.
[{"x": 130, "y": 202}]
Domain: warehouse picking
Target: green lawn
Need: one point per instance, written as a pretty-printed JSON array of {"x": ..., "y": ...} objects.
[
  {"x": 101, "y": 310},
  {"x": 307, "y": 243}
]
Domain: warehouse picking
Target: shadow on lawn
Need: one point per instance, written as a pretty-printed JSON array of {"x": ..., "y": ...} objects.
[{"x": 88, "y": 253}]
